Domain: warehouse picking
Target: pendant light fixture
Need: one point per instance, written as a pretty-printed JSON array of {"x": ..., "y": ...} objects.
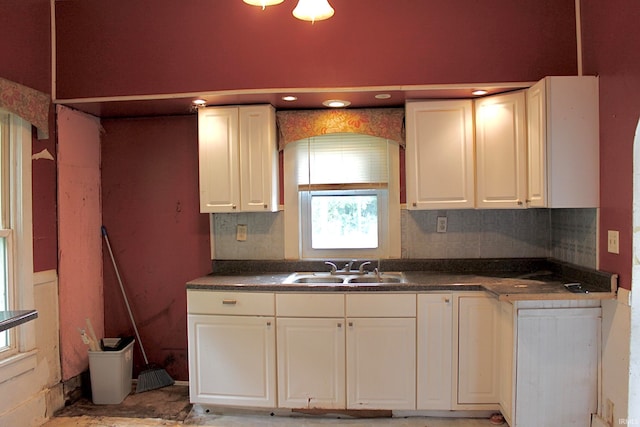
[
  {"x": 313, "y": 10},
  {"x": 263, "y": 3}
]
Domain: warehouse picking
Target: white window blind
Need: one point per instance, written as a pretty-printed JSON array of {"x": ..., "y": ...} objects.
[{"x": 342, "y": 158}]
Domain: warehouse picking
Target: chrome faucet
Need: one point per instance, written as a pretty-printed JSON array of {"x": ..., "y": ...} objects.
[{"x": 349, "y": 265}]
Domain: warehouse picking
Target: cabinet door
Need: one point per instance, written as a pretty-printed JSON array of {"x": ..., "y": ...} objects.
[
  {"x": 381, "y": 363},
  {"x": 537, "y": 145},
  {"x": 434, "y": 341},
  {"x": 557, "y": 374},
  {"x": 311, "y": 363},
  {"x": 439, "y": 155},
  {"x": 506, "y": 355},
  {"x": 232, "y": 360},
  {"x": 218, "y": 159},
  {"x": 478, "y": 350},
  {"x": 258, "y": 159},
  {"x": 501, "y": 151}
]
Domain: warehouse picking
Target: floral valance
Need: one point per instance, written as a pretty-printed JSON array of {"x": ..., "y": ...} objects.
[
  {"x": 381, "y": 122},
  {"x": 30, "y": 104}
]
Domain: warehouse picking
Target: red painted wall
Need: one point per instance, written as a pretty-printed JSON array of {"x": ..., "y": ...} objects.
[
  {"x": 159, "y": 238},
  {"x": 25, "y": 43},
  {"x": 132, "y": 47},
  {"x": 611, "y": 46}
]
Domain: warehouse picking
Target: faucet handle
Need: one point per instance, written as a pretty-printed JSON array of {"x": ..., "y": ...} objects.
[
  {"x": 334, "y": 267},
  {"x": 361, "y": 268}
]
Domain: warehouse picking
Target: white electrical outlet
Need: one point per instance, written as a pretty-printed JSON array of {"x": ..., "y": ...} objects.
[
  {"x": 442, "y": 224},
  {"x": 241, "y": 232},
  {"x": 613, "y": 242}
]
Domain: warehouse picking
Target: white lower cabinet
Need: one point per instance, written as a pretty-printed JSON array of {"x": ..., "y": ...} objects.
[
  {"x": 477, "y": 351},
  {"x": 381, "y": 360},
  {"x": 434, "y": 350},
  {"x": 232, "y": 360},
  {"x": 311, "y": 351}
]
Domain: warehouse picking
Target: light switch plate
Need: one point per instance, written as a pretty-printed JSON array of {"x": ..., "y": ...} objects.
[{"x": 613, "y": 242}]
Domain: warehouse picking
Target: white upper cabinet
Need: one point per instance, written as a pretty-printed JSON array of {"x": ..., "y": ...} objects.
[
  {"x": 501, "y": 151},
  {"x": 439, "y": 154},
  {"x": 563, "y": 141},
  {"x": 238, "y": 159}
]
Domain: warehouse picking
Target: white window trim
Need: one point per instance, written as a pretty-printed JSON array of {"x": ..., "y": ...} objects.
[
  {"x": 292, "y": 223},
  {"x": 22, "y": 224}
]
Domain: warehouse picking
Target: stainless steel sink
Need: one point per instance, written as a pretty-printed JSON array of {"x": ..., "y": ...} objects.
[{"x": 344, "y": 278}]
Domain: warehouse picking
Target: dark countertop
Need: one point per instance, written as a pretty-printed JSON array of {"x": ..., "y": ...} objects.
[
  {"x": 10, "y": 319},
  {"x": 539, "y": 280}
]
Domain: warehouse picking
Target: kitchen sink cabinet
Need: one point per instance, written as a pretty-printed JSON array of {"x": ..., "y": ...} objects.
[
  {"x": 311, "y": 350},
  {"x": 434, "y": 351},
  {"x": 238, "y": 165},
  {"x": 476, "y": 348},
  {"x": 501, "y": 151},
  {"x": 563, "y": 142},
  {"x": 439, "y": 155},
  {"x": 232, "y": 349}
]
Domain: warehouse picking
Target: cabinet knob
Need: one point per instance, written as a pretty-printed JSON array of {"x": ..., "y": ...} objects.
[
  {"x": 350, "y": 323},
  {"x": 266, "y": 206},
  {"x": 414, "y": 204},
  {"x": 233, "y": 206},
  {"x": 519, "y": 202},
  {"x": 268, "y": 323},
  {"x": 339, "y": 325},
  {"x": 447, "y": 300}
]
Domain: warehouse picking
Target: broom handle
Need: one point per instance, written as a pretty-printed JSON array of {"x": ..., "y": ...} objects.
[{"x": 124, "y": 295}]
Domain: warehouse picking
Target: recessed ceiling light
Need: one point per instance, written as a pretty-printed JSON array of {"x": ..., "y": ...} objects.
[
  {"x": 479, "y": 92},
  {"x": 289, "y": 98},
  {"x": 199, "y": 102},
  {"x": 336, "y": 103},
  {"x": 383, "y": 96}
]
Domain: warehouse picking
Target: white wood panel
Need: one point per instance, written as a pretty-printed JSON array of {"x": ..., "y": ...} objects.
[
  {"x": 230, "y": 303},
  {"x": 232, "y": 360},
  {"x": 478, "y": 350},
  {"x": 434, "y": 351},
  {"x": 381, "y": 363},
  {"x": 380, "y": 305},
  {"x": 501, "y": 175},
  {"x": 507, "y": 360},
  {"x": 310, "y": 304},
  {"x": 311, "y": 363},
  {"x": 218, "y": 159},
  {"x": 557, "y": 354},
  {"x": 439, "y": 155}
]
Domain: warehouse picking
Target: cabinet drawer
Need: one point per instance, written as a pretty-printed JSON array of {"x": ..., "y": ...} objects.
[
  {"x": 310, "y": 305},
  {"x": 381, "y": 305},
  {"x": 234, "y": 303}
]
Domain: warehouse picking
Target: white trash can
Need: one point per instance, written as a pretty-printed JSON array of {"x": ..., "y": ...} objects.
[{"x": 110, "y": 373}]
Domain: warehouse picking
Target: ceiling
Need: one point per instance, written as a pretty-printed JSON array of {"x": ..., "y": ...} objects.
[{"x": 307, "y": 98}]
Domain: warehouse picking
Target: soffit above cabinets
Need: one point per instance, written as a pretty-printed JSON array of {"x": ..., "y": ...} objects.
[{"x": 307, "y": 98}]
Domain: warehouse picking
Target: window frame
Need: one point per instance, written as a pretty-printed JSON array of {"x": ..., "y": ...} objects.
[
  {"x": 22, "y": 357},
  {"x": 293, "y": 213}
]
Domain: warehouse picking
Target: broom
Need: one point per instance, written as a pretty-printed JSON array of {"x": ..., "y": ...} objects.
[{"x": 151, "y": 378}]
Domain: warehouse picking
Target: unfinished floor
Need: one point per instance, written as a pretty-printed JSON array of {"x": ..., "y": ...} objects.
[{"x": 169, "y": 406}]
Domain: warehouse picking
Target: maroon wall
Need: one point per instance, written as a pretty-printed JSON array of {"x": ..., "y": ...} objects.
[
  {"x": 25, "y": 43},
  {"x": 159, "y": 238},
  {"x": 611, "y": 46},
  {"x": 132, "y": 47}
]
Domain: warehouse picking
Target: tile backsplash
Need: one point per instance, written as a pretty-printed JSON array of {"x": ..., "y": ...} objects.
[{"x": 565, "y": 234}]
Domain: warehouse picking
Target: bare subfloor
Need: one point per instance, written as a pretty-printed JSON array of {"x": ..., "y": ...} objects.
[{"x": 169, "y": 406}]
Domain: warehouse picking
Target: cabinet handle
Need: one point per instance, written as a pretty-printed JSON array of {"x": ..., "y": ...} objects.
[
  {"x": 350, "y": 323},
  {"x": 447, "y": 300},
  {"x": 414, "y": 204},
  {"x": 268, "y": 323},
  {"x": 229, "y": 301},
  {"x": 233, "y": 206},
  {"x": 519, "y": 202},
  {"x": 339, "y": 325},
  {"x": 266, "y": 206}
]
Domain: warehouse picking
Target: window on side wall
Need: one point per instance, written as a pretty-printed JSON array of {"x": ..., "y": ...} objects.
[
  {"x": 16, "y": 256},
  {"x": 342, "y": 190}
]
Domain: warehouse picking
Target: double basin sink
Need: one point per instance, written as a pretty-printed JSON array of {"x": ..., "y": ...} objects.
[{"x": 345, "y": 278}]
